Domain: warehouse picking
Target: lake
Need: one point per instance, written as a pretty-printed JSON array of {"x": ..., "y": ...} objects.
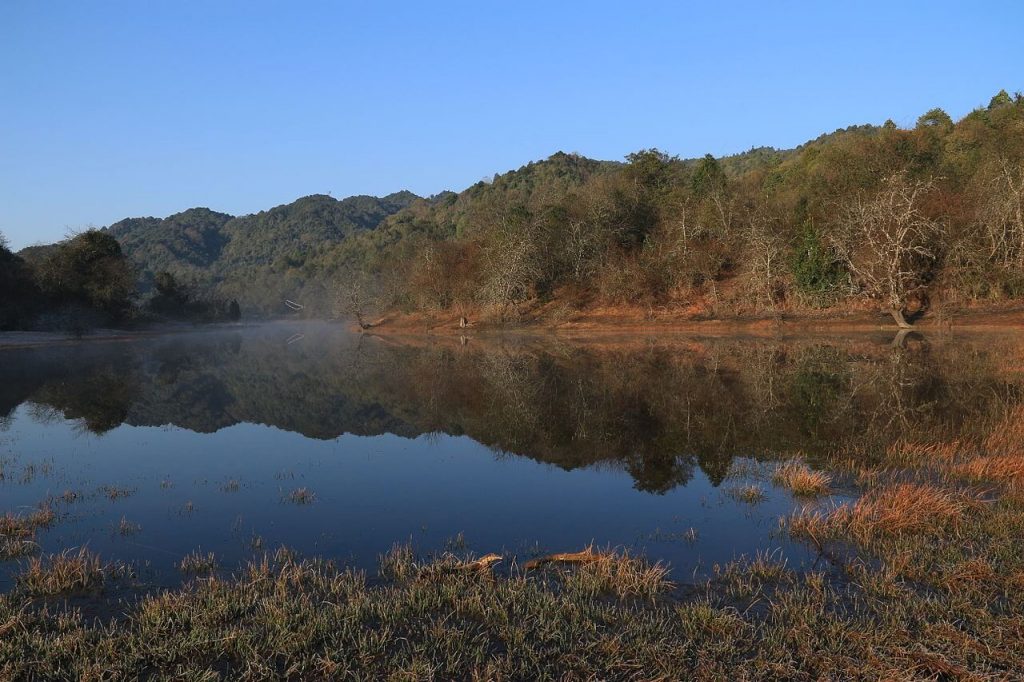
[{"x": 341, "y": 445}]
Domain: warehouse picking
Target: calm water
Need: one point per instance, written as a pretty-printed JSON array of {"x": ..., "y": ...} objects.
[{"x": 515, "y": 445}]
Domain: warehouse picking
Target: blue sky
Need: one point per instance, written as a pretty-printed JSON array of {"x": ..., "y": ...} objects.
[{"x": 116, "y": 109}]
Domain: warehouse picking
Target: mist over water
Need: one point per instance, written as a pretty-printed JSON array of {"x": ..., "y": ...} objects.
[{"x": 513, "y": 444}]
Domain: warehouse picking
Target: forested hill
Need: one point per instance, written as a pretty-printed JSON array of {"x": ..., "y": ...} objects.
[
  {"x": 884, "y": 217},
  {"x": 224, "y": 252},
  {"x": 899, "y": 217}
]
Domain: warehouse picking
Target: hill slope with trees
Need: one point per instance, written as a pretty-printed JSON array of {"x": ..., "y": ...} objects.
[
  {"x": 874, "y": 217},
  {"x": 867, "y": 217}
]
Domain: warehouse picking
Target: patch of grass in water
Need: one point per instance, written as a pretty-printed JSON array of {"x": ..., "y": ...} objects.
[
  {"x": 67, "y": 572},
  {"x": 750, "y": 493},
  {"x": 301, "y": 496}
]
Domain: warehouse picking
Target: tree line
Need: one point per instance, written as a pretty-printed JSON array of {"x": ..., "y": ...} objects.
[
  {"x": 897, "y": 219},
  {"x": 900, "y": 218},
  {"x": 86, "y": 281}
]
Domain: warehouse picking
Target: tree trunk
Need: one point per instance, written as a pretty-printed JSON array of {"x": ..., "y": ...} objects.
[
  {"x": 901, "y": 338},
  {"x": 901, "y": 321}
]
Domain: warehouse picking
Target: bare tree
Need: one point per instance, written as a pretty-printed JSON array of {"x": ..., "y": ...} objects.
[
  {"x": 1002, "y": 214},
  {"x": 511, "y": 260},
  {"x": 765, "y": 251},
  {"x": 885, "y": 239},
  {"x": 356, "y": 295}
]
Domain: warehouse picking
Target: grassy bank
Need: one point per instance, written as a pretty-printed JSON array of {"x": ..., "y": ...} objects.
[{"x": 918, "y": 579}]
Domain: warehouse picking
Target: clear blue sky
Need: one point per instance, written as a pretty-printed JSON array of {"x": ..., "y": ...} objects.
[{"x": 116, "y": 109}]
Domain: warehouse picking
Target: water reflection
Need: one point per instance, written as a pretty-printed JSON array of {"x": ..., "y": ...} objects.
[
  {"x": 656, "y": 409},
  {"x": 517, "y": 444}
]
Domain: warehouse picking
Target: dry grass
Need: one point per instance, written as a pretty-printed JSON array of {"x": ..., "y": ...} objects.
[
  {"x": 113, "y": 492},
  {"x": 126, "y": 527},
  {"x": 1007, "y": 438},
  {"x": 608, "y": 572},
  {"x": 751, "y": 493},
  {"x": 895, "y": 509},
  {"x": 17, "y": 533},
  {"x": 802, "y": 480},
  {"x": 996, "y": 468},
  {"x": 911, "y": 454},
  {"x": 198, "y": 563},
  {"x": 65, "y": 572},
  {"x": 301, "y": 496},
  {"x": 622, "y": 575}
]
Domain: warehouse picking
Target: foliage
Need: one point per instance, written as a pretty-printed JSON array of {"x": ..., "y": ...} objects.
[
  {"x": 765, "y": 229},
  {"x": 816, "y": 269},
  {"x": 88, "y": 271},
  {"x": 18, "y": 291}
]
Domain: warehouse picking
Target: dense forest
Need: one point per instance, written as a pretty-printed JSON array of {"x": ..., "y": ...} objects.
[
  {"x": 899, "y": 218},
  {"x": 87, "y": 281},
  {"x": 896, "y": 220}
]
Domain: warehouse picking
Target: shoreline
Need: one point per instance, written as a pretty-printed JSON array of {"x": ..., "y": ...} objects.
[
  {"x": 632, "y": 321},
  {"x": 592, "y": 322},
  {"x": 10, "y": 340}
]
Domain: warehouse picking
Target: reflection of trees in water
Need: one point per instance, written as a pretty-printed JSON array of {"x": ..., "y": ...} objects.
[{"x": 657, "y": 410}]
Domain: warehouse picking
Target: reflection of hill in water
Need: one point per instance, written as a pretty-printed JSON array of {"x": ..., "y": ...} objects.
[{"x": 655, "y": 409}]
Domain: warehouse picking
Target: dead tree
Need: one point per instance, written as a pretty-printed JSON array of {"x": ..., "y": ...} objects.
[
  {"x": 885, "y": 239},
  {"x": 355, "y": 297}
]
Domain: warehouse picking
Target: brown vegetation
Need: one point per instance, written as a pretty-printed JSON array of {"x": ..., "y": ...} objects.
[
  {"x": 64, "y": 572},
  {"x": 890, "y": 510},
  {"x": 801, "y": 480}
]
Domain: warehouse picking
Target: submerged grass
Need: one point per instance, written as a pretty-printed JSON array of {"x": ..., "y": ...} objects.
[
  {"x": 802, "y": 480},
  {"x": 301, "y": 496}
]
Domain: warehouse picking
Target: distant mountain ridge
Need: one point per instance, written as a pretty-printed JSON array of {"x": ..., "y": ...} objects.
[
  {"x": 204, "y": 245},
  {"x": 296, "y": 250}
]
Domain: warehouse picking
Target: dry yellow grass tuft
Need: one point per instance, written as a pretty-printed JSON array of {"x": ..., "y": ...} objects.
[
  {"x": 197, "y": 562},
  {"x": 621, "y": 575},
  {"x": 802, "y": 480},
  {"x": 891, "y": 510},
  {"x": 65, "y": 572}
]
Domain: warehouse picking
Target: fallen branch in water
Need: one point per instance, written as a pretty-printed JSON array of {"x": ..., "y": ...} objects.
[
  {"x": 481, "y": 565},
  {"x": 585, "y": 557}
]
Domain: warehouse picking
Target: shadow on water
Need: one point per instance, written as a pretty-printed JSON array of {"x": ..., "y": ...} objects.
[{"x": 511, "y": 440}]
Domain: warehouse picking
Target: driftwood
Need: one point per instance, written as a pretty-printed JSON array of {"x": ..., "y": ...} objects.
[
  {"x": 587, "y": 556},
  {"x": 481, "y": 565}
]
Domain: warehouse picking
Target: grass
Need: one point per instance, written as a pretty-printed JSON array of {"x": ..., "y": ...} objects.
[
  {"x": 113, "y": 492},
  {"x": 918, "y": 577},
  {"x": 301, "y": 496},
  {"x": 749, "y": 493},
  {"x": 802, "y": 480},
  {"x": 18, "y": 532},
  {"x": 65, "y": 572},
  {"x": 889, "y": 510},
  {"x": 615, "y": 618},
  {"x": 1003, "y": 468},
  {"x": 126, "y": 527},
  {"x": 198, "y": 563}
]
